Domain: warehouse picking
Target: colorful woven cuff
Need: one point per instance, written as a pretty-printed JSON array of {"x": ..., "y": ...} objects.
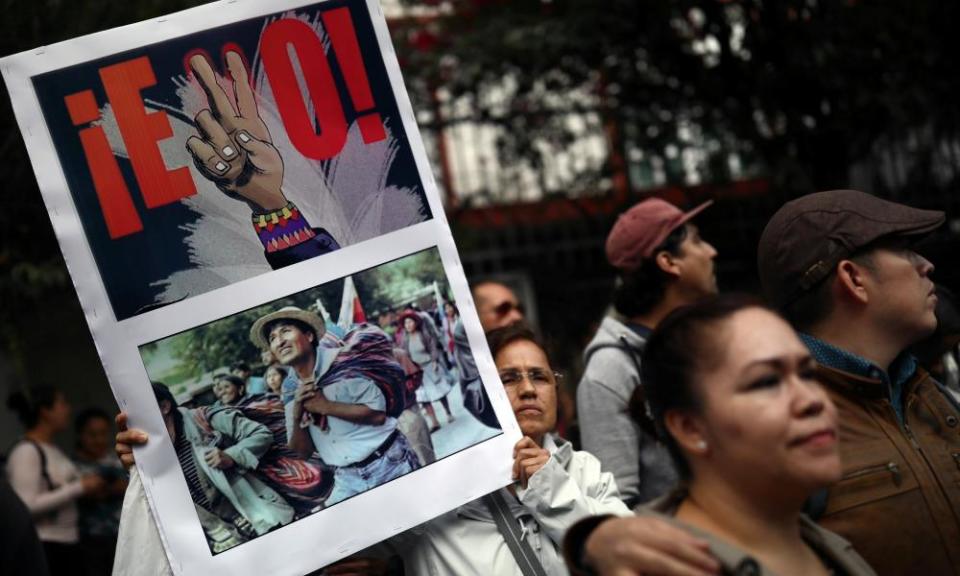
[{"x": 282, "y": 229}]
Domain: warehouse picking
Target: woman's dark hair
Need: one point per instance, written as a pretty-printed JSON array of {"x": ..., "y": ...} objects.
[
  {"x": 241, "y": 366},
  {"x": 235, "y": 380},
  {"x": 280, "y": 369},
  {"x": 675, "y": 352},
  {"x": 500, "y": 338},
  {"x": 28, "y": 402},
  {"x": 163, "y": 394},
  {"x": 413, "y": 315},
  {"x": 86, "y": 416},
  {"x": 640, "y": 289}
]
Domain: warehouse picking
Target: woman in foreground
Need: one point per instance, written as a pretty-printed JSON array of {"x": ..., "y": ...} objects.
[{"x": 733, "y": 395}]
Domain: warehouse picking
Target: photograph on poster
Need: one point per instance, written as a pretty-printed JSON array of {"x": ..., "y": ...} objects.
[
  {"x": 281, "y": 411},
  {"x": 217, "y": 156}
]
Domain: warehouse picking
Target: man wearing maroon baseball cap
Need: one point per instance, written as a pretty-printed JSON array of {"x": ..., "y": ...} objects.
[
  {"x": 841, "y": 266},
  {"x": 662, "y": 263}
]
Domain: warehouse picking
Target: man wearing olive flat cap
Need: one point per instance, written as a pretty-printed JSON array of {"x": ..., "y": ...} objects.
[{"x": 841, "y": 266}]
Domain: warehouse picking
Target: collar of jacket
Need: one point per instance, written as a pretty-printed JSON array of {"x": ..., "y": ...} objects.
[
  {"x": 863, "y": 386},
  {"x": 902, "y": 369}
]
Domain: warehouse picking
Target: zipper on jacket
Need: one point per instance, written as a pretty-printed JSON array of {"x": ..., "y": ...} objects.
[
  {"x": 913, "y": 440},
  {"x": 890, "y": 467},
  {"x": 907, "y": 431}
]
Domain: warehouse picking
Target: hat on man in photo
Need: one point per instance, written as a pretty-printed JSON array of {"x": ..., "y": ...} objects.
[
  {"x": 807, "y": 237},
  {"x": 639, "y": 231},
  {"x": 258, "y": 331}
]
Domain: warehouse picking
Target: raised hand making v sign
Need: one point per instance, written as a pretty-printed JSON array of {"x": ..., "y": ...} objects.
[
  {"x": 234, "y": 148},
  {"x": 235, "y": 151}
]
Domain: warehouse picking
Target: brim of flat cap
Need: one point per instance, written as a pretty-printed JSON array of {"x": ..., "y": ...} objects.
[
  {"x": 288, "y": 313},
  {"x": 897, "y": 220},
  {"x": 900, "y": 221}
]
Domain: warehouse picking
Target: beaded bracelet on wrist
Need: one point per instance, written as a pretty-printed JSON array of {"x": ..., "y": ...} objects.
[{"x": 283, "y": 228}]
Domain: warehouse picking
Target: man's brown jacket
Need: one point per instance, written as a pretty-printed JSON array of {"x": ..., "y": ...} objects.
[{"x": 899, "y": 499}]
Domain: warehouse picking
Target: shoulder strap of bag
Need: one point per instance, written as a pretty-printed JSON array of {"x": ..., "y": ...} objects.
[
  {"x": 622, "y": 344},
  {"x": 522, "y": 552},
  {"x": 43, "y": 463}
]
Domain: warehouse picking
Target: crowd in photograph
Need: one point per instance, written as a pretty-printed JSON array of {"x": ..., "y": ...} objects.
[
  {"x": 810, "y": 429},
  {"x": 328, "y": 414}
]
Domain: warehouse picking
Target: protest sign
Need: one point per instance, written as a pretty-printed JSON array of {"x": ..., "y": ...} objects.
[{"x": 220, "y": 180}]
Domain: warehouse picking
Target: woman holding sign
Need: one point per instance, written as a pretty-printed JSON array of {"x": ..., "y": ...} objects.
[{"x": 554, "y": 485}]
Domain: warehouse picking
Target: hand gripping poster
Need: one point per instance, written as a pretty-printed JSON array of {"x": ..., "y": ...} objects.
[{"x": 247, "y": 212}]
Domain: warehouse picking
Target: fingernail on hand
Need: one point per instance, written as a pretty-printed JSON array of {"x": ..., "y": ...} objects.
[
  {"x": 228, "y": 151},
  {"x": 243, "y": 137},
  {"x": 220, "y": 166}
]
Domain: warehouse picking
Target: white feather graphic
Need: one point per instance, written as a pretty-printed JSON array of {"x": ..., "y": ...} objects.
[{"x": 347, "y": 195}]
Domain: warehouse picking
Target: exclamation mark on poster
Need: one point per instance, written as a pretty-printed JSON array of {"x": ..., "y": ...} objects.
[{"x": 339, "y": 27}]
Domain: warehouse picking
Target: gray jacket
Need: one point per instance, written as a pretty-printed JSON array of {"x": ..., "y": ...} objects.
[{"x": 640, "y": 464}]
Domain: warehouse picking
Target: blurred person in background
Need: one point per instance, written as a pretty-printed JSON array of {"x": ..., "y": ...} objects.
[
  {"x": 497, "y": 305},
  {"x": 20, "y": 549},
  {"x": 300, "y": 481},
  {"x": 411, "y": 422},
  {"x": 451, "y": 317},
  {"x": 475, "y": 398},
  {"x": 426, "y": 351},
  {"x": 939, "y": 353},
  {"x": 662, "y": 263},
  {"x": 46, "y": 479},
  {"x": 274, "y": 377},
  {"x": 252, "y": 384},
  {"x": 218, "y": 451},
  {"x": 99, "y": 514},
  {"x": 735, "y": 397}
]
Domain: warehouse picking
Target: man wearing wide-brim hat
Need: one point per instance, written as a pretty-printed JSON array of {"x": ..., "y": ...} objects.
[{"x": 341, "y": 398}]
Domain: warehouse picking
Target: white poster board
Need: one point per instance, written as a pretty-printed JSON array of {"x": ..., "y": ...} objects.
[{"x": 211, "y": 167}]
